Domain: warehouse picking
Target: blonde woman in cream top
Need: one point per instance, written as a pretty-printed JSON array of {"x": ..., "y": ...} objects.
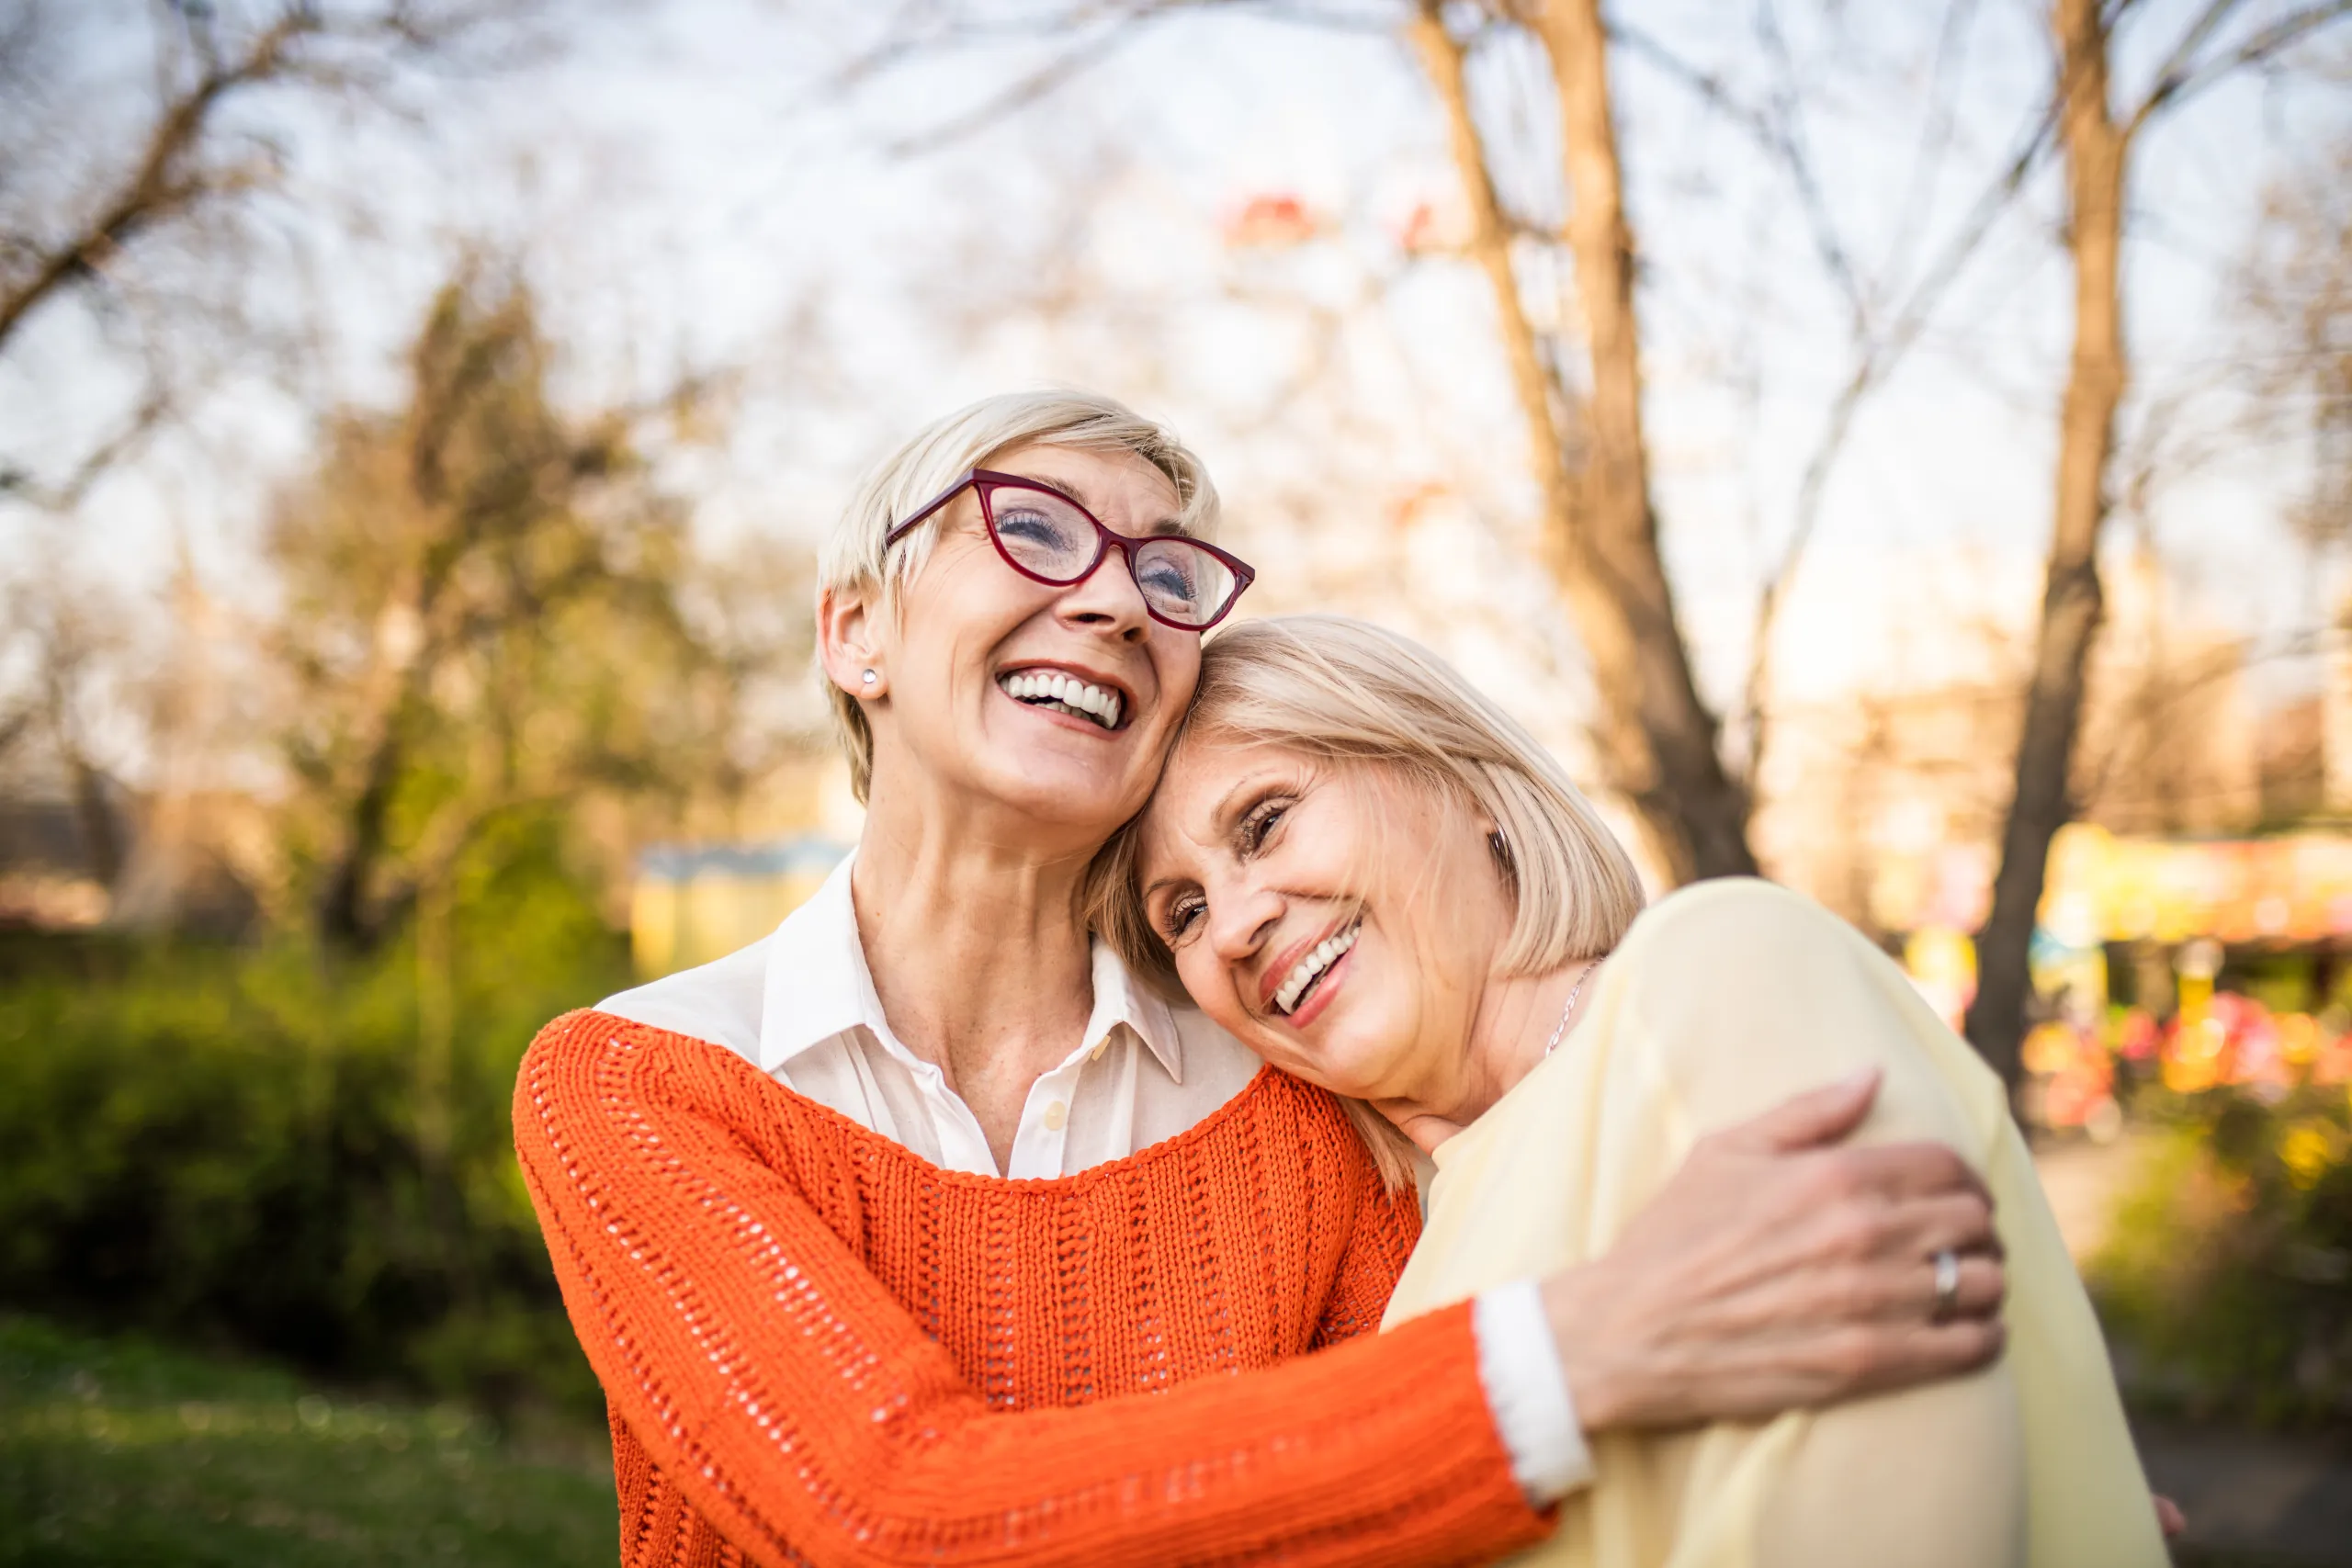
[{"x": 1376, "y": 879}]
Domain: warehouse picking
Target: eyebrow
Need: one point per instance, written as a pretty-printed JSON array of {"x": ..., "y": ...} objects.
[{"x": 1217, "y": 813}]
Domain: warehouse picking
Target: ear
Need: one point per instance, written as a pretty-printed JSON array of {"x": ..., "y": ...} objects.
[{"x": 848, "y": 644}]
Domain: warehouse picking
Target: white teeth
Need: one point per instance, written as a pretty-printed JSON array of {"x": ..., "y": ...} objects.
[
  {"x": 1050, "y": 688},
  {"x": 1321, "y": 957}
]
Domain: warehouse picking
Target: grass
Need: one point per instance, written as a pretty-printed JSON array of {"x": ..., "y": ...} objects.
[{"x": 120, "y": 1452}]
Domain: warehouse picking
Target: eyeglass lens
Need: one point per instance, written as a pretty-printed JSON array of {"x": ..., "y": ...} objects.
[{"x": 1048, "y": 535}]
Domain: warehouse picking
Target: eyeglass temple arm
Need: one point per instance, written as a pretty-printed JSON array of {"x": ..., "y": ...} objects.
[{"x": 899, "y": 532}]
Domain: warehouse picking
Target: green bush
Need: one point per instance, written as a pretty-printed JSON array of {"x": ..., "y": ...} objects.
[
  {"x": 2227, "y": 1277},
  {"x": 227, "y": 1145}
]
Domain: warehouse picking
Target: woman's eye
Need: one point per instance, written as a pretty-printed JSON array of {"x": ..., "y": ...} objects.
[
  {"x": 1182, "y": 915},
  {"x": 1165, "y": 579},
  {"x": 1261, "y": 824},
  {"x": 1031, "y": 527}
]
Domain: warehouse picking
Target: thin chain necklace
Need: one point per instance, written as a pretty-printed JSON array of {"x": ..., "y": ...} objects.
[{"x": 1574, "y": 992}]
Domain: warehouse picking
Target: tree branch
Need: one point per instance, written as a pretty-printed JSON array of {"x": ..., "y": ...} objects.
[
  {"x": 1878, "y": 351},
  {"x": 66, "y": 496},
  {"x": 160, "y": 186},
  {"x": 1027, "y": 89},
  {"x": 2181, "y": 79},
  {"x": 1772, "y": 132}
]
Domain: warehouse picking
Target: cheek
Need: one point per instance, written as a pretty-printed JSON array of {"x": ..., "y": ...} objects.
[
  {"x": 962, "y": 604},
  {"x": 1176, "y": 662},
  {"x": 1210, "y": 985}
]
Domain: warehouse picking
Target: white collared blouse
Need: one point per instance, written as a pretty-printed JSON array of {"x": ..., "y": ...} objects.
[{"x": 800, "y": 1004}]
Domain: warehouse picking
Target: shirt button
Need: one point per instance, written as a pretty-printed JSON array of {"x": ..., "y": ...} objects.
[{"x": 1055, "y": 1114}]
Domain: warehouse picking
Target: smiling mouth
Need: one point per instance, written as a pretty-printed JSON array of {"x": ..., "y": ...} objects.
[
  {"x": 1307, "y": 974},
  {"x": 1057, "y": 692}
]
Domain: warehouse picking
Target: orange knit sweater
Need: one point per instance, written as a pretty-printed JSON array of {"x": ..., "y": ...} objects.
[{"x": 819, "y": 1347}]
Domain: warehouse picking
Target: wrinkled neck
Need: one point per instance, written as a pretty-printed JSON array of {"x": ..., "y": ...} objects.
[
  {"x": 1518, "y": 1018},
  {"x": 971, "y": 928}
]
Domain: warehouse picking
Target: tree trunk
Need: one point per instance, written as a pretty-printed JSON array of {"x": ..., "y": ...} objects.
[
  {"x": 1689, "y": 786},
  {"x": 349, "y": 912},
  {"x": 1657, "y": 737},
  {"x": 101, "y": 840},
  {"x": 2096, "y": 148}
]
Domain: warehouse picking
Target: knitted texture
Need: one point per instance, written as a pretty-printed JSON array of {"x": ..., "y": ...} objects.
[{"x": 819, "y": 1347}]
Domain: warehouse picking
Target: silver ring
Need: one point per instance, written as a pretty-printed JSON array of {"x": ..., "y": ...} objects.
[{"x": 1947, "y": 1284}]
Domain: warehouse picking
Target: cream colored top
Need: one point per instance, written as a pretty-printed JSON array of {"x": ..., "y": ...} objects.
[{"x": 1722, "y": 1001}]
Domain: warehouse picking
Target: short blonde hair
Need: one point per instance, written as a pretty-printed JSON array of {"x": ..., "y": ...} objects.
[
  {"x": 856, "y": 560},
  {"x": 1346, "y": 691}
]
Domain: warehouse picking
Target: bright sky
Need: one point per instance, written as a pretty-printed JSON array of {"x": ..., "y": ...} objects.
[{"x": 692, "y": 188}]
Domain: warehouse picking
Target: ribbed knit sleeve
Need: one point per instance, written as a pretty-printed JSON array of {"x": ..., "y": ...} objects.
[{"x": 778, "y": 1384}]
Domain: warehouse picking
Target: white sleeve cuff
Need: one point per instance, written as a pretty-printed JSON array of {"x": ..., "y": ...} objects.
[{"x": 1527, "y": 1390}]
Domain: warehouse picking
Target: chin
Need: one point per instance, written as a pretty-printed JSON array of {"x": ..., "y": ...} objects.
[
  {"x": 1071, "y": 790},
  {"x": 1355, "y": 1055}
]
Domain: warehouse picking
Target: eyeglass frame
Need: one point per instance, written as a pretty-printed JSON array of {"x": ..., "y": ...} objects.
[{"x": 1106, "y": 539}]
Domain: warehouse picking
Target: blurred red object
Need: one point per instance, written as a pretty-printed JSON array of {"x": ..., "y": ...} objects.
[
  {"x": 1272, "y": 223},
  {"x": 2237, "y": 1040},
  {"x": 2136, "y": 1036},
  {"x": 2074, "y": 1080}
]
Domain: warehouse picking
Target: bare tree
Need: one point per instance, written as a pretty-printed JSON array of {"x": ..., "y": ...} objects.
[
  {"x": 2097, "y": 138},
  {"x": 1884, "y": 312},
  {"x": 2297, "y": 288},
  {"x": 95, "y": 195},
  {"x": 1685, "y": 794},
  {"x": 1546, "y": 411},
  {"x": 1657, "y": 739}
]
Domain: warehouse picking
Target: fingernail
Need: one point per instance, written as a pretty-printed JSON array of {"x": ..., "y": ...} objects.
[{"x": 1856, "y": 1080}]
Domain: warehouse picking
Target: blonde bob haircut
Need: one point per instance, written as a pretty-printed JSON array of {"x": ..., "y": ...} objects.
[
  {"x": 854, "y": 560},
  {"x": 1344, "y": 691}
]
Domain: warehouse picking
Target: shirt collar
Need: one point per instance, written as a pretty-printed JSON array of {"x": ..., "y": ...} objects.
[{"x": 818, "y": 985}]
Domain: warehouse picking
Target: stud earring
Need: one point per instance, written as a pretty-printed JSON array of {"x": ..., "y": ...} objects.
[{"x": 868, "y": 677}]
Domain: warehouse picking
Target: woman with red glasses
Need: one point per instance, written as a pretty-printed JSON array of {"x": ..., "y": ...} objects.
[{"x": 914, "y": 1232}]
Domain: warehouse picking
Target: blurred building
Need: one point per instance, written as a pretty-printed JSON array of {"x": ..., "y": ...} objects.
[
  {"x": 1885, "y": 800},
  {"x": 690, "y": 905}
]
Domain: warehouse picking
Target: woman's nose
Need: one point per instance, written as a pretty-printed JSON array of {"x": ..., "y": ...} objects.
[
  {"x": 1239, "y": 921},
  {"x": 1107, "y": 599}
]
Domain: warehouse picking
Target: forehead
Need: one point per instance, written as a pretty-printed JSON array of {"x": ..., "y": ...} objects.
[
  {"x": 1205, "y": 781},
  {"x": 1116, "y": 486}
]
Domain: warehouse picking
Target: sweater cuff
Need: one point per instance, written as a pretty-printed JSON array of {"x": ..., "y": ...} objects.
[{"x": 1527, "y": 1391}]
